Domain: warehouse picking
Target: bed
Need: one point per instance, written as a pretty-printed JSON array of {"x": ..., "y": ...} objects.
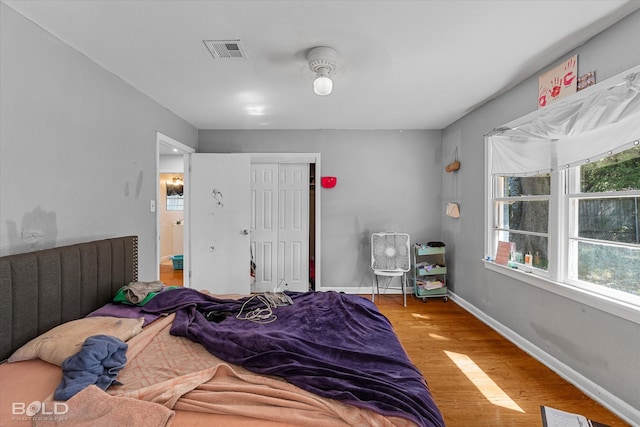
[{"x": 299, "y": 359}]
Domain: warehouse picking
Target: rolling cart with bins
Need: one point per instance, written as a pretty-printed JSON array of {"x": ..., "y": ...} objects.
[{"x": 430, "y": 271}]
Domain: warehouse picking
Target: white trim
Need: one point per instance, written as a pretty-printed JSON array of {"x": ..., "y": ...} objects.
[
  {"x": 600, "y": 302},
  {"x": 588, "y": 387},
  {"x": 284, "y": 157},
  {"x": 366, "y": 290},
  {"x": 488, "y": 201},
  {"x": 318, "y": 227},
  {"x": 605, "y": 195},
  {"x": 186, "y": 261},
  {"x": 557, "y": 226},
  {"x": 161, "y": 138}
]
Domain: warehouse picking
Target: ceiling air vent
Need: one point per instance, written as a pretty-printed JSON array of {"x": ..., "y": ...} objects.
[{"x": 221, "y": 49}]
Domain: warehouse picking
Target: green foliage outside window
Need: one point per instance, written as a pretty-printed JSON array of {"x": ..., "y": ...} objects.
[
  {"x": 613, "y": 267},
  {"x": 611, "y": 219},
  {"x": 615, "y": 173}
]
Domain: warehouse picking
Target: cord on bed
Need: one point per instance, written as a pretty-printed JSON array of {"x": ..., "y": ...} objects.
[{"x": 264, "y": 314}]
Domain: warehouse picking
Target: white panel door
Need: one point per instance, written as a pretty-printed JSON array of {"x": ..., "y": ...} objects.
[
  {"x": 264, "y": 225},
  {"x": 293, "y": 226},
  {"x": 219, "y": 223},
  {"x": 280, "y": 226}
]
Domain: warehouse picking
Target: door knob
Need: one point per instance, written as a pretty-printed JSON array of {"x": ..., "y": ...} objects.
[{"x": 245, "y": 232}]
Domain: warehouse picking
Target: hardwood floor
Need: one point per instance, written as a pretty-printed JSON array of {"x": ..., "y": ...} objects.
[
  {"x": 169, "y": 276},
  {"x": 441, "y": 336},
  {"x": 511, "y": 385}
]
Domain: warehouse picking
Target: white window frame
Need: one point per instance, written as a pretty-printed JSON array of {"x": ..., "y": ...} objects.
[
  {"x": 556, "y": 279},
  {"x": 496, "y": 189},
  {"x": 573, "y": 193}
]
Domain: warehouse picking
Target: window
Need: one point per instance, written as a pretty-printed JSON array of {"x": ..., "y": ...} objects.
[
  {"x": 175, "y": 203},
  {"x": 595, "y": 218},
  {"x": 175, "y": 193},
  {"x": 563, "y": 184},
  {"x": 604, "y": 228},
  {"x": 521, "y": 216}
]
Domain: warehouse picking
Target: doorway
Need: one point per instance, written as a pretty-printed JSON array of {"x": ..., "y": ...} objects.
[
  {"x": 171, "y": 220},
  {"x": 172, "y": 147},
  {"x": 170, "y": 204},
  {"x": 223, "y": 213}
]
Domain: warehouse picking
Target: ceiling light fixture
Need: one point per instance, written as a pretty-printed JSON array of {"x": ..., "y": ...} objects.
[{"x": 323, "y": 62}]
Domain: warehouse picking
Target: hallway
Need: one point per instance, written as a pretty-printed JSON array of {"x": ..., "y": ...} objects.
[{"x": 169, "y": 276}]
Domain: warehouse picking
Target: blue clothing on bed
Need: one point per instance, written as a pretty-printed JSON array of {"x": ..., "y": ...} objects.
[{"x": 98, "y": 362}]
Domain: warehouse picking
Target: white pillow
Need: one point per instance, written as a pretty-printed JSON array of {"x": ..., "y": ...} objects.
[{"x": 66, "y": 340}]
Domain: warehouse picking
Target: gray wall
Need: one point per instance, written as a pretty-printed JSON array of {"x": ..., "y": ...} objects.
[
  {"x": 77, "y": 147},
  {"x": 601, "y": 347},
  {"x": 387, "y": 181}
]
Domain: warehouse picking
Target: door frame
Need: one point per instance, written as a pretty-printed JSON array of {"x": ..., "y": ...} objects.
[
  {"x": 185, "y": 150},
  {"x": 302, "y": 158}
]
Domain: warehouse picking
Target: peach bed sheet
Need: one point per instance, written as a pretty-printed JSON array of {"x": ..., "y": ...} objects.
[{"x": 195, "y": 387}]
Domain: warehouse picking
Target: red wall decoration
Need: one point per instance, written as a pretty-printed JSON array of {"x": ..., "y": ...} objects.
[{"x": 328, "y": 181}]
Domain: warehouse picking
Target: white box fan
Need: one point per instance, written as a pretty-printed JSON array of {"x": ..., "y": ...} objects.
[{"x": 390, "y": 258}]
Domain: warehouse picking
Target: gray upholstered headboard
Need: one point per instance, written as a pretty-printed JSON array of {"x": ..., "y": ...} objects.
[{"x": 40, "y": 290}]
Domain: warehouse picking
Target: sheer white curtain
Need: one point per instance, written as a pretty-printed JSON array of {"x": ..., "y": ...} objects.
[{"x": 602, "y": 122}]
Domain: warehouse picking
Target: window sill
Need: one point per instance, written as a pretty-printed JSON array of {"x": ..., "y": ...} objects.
[{"x": 603, "y": 303}]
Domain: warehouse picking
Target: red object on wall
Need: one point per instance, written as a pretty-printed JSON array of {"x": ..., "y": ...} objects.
[{"x": 328, "y": 181}]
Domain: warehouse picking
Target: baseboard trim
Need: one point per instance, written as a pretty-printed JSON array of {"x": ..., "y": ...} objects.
[
  {"x": 588, "y": 387},
  {"x": 364, "y": 290}
]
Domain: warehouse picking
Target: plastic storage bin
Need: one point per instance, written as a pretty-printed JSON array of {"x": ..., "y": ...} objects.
[{"x": 177, "y": 261}]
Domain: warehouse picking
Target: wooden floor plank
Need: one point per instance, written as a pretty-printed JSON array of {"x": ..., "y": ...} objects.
[
  {"x": 169, "y": 276},
  {"x": 515, "y": 383}
]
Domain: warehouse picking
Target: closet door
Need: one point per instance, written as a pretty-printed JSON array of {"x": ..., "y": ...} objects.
[
  {"x": 280, "y": 226},
  {"x": 293, "y": 226},
  {"x": 264, "y": 225}
]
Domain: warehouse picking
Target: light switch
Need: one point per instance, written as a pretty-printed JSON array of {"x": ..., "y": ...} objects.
[{"x": 152, "y": 205}]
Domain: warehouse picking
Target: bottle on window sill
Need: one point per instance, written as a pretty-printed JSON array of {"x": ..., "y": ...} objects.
[{"x": 528, "y": 261}]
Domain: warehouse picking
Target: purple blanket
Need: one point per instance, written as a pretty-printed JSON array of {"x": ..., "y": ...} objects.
[{"x": 334, "y": 345}]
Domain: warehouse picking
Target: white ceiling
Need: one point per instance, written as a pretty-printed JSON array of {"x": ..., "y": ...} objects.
[{"x": 402, "y": 64}]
